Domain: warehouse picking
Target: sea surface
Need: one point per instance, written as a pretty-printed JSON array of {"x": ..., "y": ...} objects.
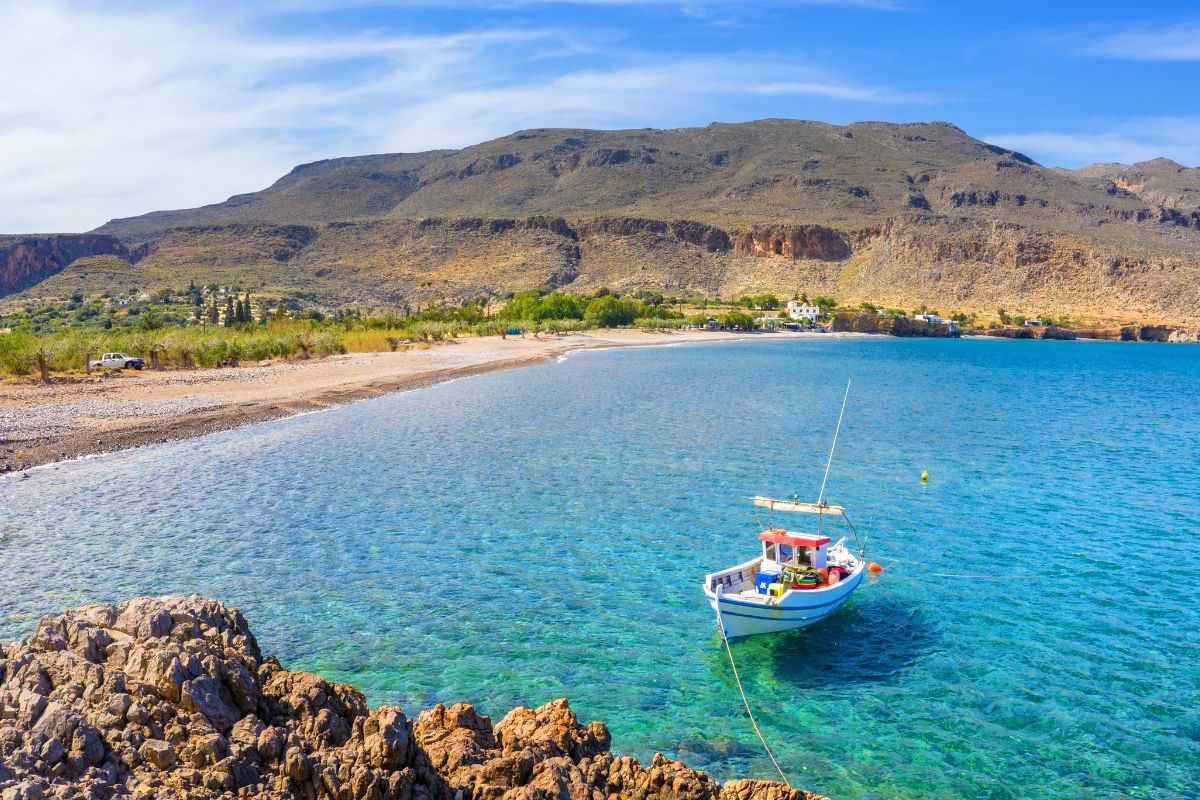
[{"x": 515, "y": 537}]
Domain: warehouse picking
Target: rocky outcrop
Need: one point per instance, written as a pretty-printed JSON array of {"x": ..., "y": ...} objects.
[
  {"x": 708, "y": 237},
  {"x": 794, "y": 242},
  {"x": 870, "y": 322},
  {"x": 1158, "y": 333},
  {"x": 25, "y": 260},
  {"x": 172, "y": 698}
]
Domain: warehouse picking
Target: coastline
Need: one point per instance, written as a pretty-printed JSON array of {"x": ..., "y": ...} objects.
[{"x": 44, "y": 424}]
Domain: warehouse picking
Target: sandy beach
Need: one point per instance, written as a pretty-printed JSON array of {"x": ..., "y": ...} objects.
[{"x": 41, "y": 424}]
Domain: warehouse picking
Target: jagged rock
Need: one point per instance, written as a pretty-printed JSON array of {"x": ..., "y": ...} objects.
[{"x": 170, "y": 697}]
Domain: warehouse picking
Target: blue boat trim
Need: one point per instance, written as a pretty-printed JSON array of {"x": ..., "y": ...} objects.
[{"x": 774, "y": 619}]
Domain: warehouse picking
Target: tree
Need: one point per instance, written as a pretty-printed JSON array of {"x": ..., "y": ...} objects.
[
  {"x": 610, "y": 312},
  {"x": 736, "y": 319},
  {"x": 1003, "y": 315},
  {"x": 229, "y": 313},
  {"x": 150, "y": 320}
]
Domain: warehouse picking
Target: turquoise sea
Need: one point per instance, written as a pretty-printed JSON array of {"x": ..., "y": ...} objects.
[{"x": 519, "y": 536}]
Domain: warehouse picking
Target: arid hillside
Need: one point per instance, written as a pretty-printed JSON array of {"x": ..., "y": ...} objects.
[{"x": 898, "y": 214}]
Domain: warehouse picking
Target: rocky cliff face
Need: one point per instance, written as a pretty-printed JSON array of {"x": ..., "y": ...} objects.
[
  {"x": 172, "y": 698},
  {"x": 26, "y": 260},
  {"x": 794, "y": 242}
]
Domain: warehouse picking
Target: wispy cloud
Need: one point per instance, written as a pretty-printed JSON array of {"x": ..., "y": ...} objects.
[
  {"x": 110, "y": 114},
  {"x": 1175, "y": 43},
  {"x": 1177, "y": 138}
]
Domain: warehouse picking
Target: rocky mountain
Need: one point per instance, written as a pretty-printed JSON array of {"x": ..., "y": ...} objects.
[
  {"x": 172, "y": 698},
  {"x": 897, "y": 214},
  {"x": 1160, "y": 182}
]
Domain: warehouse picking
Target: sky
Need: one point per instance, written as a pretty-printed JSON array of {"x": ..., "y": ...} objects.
[{"x": 116, "y": 108}]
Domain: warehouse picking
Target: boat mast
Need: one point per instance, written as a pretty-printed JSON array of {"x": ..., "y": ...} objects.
[{"x": 829, "y": 462}]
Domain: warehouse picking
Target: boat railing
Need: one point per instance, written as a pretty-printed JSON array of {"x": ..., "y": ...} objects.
[{"x": 734, "y": 577}]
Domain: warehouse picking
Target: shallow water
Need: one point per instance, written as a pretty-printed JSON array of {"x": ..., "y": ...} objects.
[{"x": 520, "y": 536}]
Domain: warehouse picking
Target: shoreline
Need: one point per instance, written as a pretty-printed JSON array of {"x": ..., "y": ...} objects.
[{"x": 43, "y": 424}]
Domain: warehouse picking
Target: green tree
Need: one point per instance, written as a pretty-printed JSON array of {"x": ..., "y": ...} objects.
[
  {"x": 229, "y": 313},
  {"x": 611, "y": 312},
  {"x": 521, "y": 306},
  {"x": 150, "y": 320},
  {"x": 736, "y": 319}
]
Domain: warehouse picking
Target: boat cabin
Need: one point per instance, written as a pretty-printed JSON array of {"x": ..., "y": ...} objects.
[{"x": 784, "y": 548}]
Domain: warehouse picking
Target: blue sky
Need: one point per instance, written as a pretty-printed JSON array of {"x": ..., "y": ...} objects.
[{"x": 117, "y": 108}]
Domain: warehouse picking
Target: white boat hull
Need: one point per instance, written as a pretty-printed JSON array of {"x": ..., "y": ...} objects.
[{"x": 796, "y": 609}]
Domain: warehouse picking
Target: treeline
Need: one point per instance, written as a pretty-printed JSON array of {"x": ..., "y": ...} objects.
[{"x": 603, "y": 310}]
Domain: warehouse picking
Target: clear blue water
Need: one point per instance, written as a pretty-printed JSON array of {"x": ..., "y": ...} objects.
[{"x": 519, "y": 536}]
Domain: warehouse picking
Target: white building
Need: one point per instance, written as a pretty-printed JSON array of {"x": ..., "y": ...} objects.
[
  {"x": 932, "y": 319},
  {"x": 804, "y": 311}
]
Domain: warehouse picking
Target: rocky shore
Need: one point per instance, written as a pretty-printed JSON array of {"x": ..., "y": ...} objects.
[{"x": 171, "y": 698}]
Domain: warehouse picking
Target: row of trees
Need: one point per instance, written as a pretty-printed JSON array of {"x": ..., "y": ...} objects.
[{"x": 603, "y": 311}]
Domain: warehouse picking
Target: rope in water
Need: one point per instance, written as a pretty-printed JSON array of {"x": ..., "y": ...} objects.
[{"x": 746, "y": 702}]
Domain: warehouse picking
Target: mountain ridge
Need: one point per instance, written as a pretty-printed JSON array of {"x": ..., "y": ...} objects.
[{"x": 903, "y": 213}]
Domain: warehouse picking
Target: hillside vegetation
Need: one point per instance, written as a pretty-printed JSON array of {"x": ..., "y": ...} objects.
[{"x": 896, "y": 214}]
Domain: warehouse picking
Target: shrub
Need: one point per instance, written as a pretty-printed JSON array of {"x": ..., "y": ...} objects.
[{"x": 611, "y": 312}]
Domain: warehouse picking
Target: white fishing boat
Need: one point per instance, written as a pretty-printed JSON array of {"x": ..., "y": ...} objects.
[{"x": 800, "y": 578}]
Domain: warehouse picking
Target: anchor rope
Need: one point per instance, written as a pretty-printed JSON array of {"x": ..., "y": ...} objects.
[{"x": 742, "y": 691}]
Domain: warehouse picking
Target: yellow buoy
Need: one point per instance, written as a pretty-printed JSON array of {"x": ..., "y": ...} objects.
[{"x": 924, "y": 477}]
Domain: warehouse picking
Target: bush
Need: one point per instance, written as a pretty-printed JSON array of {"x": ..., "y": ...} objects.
[
  {"x": 17, "y": 352},
  {"x": 611, "y": 312}
]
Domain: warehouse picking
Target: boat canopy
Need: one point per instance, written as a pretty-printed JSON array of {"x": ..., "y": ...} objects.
[
  {"x": 779, "y": 536},
  {"x": 792, "y": 505}
]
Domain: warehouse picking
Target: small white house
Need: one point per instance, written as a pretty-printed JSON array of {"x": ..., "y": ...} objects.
[
  {"x": 932, "y": 319},
  {"x": 804, "y": 311},
  {"x": 1033, "y": 323}
]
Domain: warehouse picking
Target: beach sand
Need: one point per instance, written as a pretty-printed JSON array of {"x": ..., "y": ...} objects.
[{"x": 41, "y": 424}]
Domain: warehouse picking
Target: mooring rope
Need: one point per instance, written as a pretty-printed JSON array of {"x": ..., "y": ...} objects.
[{"x": 746, "y": 702}]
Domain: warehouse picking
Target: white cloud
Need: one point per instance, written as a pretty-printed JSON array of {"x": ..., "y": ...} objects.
[
  {"x": 108, "y": 114},
  {"x": 1177, "y": 138},
  {"x": 1176, "y": 43}
]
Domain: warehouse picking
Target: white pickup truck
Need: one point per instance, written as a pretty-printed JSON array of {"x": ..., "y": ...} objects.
[{"x": 117, "y": 361}]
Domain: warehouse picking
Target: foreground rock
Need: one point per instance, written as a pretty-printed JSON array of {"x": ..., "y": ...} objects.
[{"x": 170, "y": 697}]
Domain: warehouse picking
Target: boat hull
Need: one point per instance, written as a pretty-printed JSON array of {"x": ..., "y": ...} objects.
[{"x": 795, "y": 610}]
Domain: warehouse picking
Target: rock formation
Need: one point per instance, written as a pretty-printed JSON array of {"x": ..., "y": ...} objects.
[
  {"x": 170, "y": 697},
  {"x": 794, "y": 242},
  {"x": 26, "y": 260}
]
